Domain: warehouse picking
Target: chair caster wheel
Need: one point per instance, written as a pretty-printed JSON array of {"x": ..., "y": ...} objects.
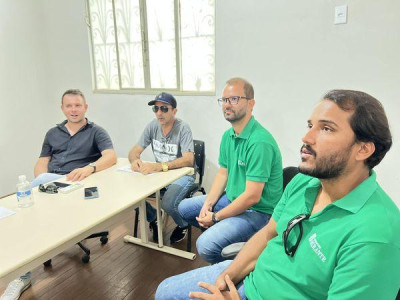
[
  {"x": 47, "y": 263},
  {"x": 104, "y": 240},
  {"x": 85, "y": 259}
]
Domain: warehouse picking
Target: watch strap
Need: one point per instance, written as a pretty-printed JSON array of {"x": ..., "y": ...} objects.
[
  {"x": 93, "y": 166},
  {"x": 214, "y": 217}
]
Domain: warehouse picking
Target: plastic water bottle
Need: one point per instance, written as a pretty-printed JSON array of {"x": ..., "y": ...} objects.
[{"x": 24, "y": 192}]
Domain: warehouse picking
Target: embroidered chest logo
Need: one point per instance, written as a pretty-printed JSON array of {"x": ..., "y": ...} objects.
[
  {"x": 241, "y": 163},
  {"x": 316, "y": 247}
]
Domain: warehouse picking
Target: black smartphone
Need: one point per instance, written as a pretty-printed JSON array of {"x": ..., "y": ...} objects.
[
  {"x": 61, "y": 184},
  {"x": 91, "y": 192}
]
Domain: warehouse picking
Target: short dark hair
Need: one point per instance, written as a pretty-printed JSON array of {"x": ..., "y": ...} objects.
[
  {"x": 247, "y": 86},
  {"x": 73, "y": 92},
  {"x": 369, "y": 121}
]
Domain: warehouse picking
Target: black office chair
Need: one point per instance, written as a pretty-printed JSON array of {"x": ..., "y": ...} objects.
[
  {"x": 86, "y": 257},
  {"x": 288, "y": 173},
  {"x": 200, "y": 158},
  {"x": 229, "y": 252},
  {"x": 103, "y": 240}
]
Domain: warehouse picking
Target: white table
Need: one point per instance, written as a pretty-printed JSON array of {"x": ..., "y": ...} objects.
[{"x": 56, "y": 222}]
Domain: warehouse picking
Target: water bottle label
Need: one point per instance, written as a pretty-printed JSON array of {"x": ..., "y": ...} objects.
[{"x": 24, "y": 194}]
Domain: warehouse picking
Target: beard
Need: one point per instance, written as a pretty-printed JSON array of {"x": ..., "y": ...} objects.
[
  {"x": 327, "y": 167},
  {"x": 234, "y": 116}
]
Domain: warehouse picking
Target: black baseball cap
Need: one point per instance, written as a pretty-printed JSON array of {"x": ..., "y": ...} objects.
[{"x": 166, "y": 98}]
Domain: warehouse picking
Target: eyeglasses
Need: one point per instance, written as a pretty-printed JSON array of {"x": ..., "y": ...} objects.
[
  {"x": 163, "y": 108},
  {"x": 291, "y": 224},
  {"x": 234, "y": 100},
  {"x": 50, "y": 188}
]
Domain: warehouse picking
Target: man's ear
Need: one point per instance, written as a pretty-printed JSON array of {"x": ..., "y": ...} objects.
[
  {"x": 252, "y": 102},
  {"x": 366, "y": 149}
]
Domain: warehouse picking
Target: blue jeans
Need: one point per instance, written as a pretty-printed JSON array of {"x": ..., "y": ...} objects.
[
  {"x": 231, "y": 230},
  {"x": 174, "y": 194},
  {"x": 178, "y": 287}
]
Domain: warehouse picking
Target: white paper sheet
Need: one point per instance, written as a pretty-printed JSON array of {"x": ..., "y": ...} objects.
[
  {"x": 128, "y": 169},
  {"x": 5, "y": 212}
]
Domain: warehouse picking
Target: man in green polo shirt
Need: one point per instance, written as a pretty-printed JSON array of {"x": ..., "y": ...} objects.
[
  {"x": 335, "y": 232},
  {"x": 248, "y": 184}
]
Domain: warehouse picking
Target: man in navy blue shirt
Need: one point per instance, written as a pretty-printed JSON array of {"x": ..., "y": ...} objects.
[{"x": 75, "y": 148}]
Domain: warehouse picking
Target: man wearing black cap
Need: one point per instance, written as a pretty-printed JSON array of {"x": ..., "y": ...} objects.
[{"x": 172, "y": 144}]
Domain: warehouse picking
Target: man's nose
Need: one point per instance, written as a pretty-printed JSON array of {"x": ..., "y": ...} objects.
[{"x": 309, "y": 137}]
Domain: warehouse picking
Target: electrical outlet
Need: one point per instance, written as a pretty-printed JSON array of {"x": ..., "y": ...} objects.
[{"x": 341, "y": 14}]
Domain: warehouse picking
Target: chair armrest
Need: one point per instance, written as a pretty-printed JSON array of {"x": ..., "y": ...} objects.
[{"x": 232, "y": 250}]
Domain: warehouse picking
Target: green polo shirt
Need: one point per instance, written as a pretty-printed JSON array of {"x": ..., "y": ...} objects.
[
  {"x": 349, "y": 250},
  {"x": 255, "y": 156}
]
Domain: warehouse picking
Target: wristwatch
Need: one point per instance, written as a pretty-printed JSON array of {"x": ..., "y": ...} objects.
[
  {"x": 164, "y": 166},
  {"x": 214, "y": 217},
  {"x": 93, "y": 165}
]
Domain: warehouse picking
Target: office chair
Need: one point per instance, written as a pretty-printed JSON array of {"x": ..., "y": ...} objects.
[
  {"x": 200, "y": 159},
  {"x": 103, "y": 240},
  {"x": 229, "y": 252},
  {"x": 86, "y": 257}
]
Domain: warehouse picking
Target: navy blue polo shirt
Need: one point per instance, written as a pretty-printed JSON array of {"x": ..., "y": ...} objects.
[{"x": 70, "y": 152}]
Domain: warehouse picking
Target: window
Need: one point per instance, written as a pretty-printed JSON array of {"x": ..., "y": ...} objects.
[{"x": 147, "y": 46}]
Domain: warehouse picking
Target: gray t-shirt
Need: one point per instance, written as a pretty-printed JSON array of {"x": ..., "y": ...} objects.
[
  {"x": 70, "y": 152},
  {"x": 167, "y": 148}
]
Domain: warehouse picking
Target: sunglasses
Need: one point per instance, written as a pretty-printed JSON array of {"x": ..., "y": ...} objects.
[
  {"x": 291, "y": 224},
  {"x": 50, "y": 188},
  {"x": 163, "y": 108}
]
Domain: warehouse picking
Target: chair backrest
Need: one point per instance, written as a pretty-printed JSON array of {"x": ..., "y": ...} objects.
[
  {"x": 200, "y": 157},
  {"x": 288, "y": 174}
]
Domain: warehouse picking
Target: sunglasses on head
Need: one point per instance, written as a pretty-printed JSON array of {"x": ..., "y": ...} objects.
[{"x": 163, "y": 108}]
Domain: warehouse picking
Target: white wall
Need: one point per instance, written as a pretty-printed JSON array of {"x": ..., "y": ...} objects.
[
  {"x": 290, "y": 50},
  {"x": 24, "y": 101}
]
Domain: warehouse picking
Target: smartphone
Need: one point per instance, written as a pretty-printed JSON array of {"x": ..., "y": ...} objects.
[
  {"x": 91, "y": 192},
  {"x": 61, "y": 184}
]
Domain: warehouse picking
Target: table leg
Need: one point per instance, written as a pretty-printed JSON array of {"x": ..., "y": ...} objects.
[
  {"x": 143, "y": 222},
  {"x": 143, "y": 241},
  {"x": 160, "y": 221}
]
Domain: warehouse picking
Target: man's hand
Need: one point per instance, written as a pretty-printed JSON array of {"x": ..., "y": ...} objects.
[
  {"x": 220, "y": 283},
  {"x": 80, "y": 173},
  {"x": 206, "y": 207},
  {"x": 216, "y": 293},
  {"x": 136, "y": 165},
  {"x": 206, "y": 221},
  {"x": 148, "y": 168}
]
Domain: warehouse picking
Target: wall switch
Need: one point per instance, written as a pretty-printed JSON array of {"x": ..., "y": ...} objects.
[{"x": 341, "y": 14}]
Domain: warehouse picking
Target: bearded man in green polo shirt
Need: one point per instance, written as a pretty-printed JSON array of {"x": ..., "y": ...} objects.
[
  {"x": 248, "y": 184},
  {"x": 334, "y": 233}
]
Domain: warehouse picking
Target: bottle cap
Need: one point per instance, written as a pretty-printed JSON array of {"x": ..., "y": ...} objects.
[{"x": 22, "y": 178}]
